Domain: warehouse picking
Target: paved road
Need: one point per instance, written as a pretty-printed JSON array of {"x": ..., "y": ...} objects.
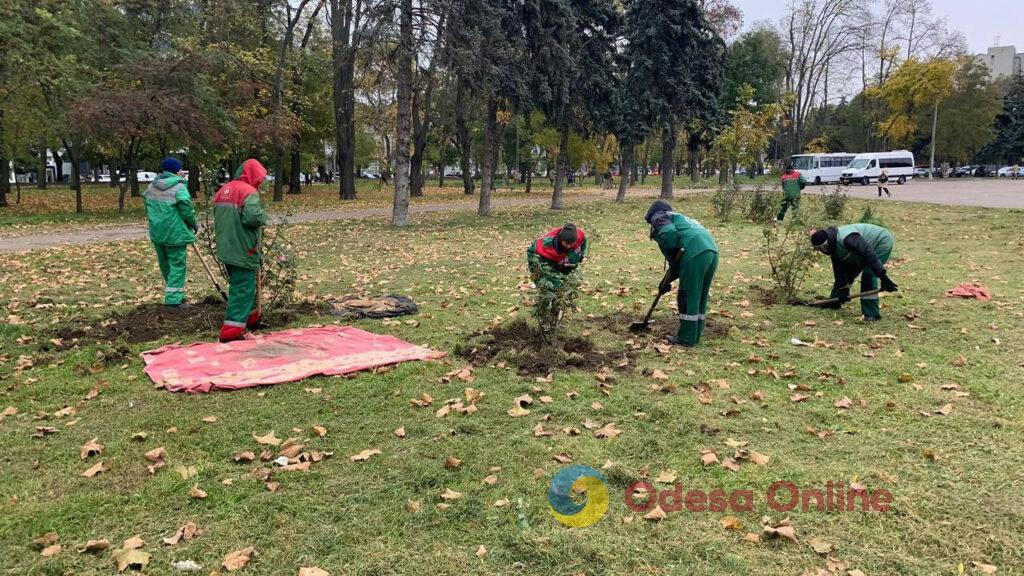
[
  {"x": 987, "y": 193},
  {"x": 122, "y": 232}
]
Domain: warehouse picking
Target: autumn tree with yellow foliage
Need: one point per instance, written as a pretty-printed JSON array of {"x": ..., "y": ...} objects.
[{"x": 914, "y": 86}]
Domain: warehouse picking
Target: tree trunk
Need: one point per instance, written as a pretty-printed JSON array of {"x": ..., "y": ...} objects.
[
  {"x": 295, "y": 172},
  {"x": 529, "y": 177},
  {"x": 343, "y": 54},
  {"x": 647, "y": 162},
  {"x": 490, "y": 143},
  {"x": 58, "y": 165},
  {"x": 935, "y": 129},
  {"x": 76, "y": 178},
  {"x": 693, "y": 147},
  {"x": 625, "y": 166},
  {"x": 122, "y": 191},
  {"x": 5, "y": 164},
  {"x": 421, "y": 127},
  {"x": 41, "y": 168},
  {"x": 193, "y": 178},
  {"x": 440, "y": 174},
  {"x": 403, "y": 127},
  {"x": 668, "y": 149},
  {"x": 133, "y": 169},
  {"x": 115, "y": 173},
  {"x": 462, "y": 137},
  {"x": 561, "y": 168},
  {"x": 278, "y": 171},
  {"x": 723, "y": 172}
]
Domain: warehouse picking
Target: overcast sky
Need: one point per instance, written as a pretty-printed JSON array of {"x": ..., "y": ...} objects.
[{"x": 980, "y": 20}]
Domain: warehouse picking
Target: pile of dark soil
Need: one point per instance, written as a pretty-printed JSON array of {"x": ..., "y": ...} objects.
[
  {"x": 151, "y": 322},
  {"x": 519, "y": 344}
]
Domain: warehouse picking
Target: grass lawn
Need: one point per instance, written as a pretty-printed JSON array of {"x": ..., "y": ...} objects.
[
  {"x": 55, "y": 206},
  {"x": 955, "y": 475}
]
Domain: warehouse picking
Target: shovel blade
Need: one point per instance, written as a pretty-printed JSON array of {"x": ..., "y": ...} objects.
[{"x": 640, "y": 327}]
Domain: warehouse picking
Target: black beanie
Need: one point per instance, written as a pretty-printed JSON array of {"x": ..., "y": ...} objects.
[
  {"x": 657, "y": 208},
  {"x": 818, "y": 238},
  {"x": 568, "y": 233}
]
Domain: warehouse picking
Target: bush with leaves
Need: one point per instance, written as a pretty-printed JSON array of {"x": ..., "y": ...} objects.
[
  {"x": 724, "y": 200},
  {"x": 763, "y": 205},
  {"x": 834, "y": 204},
  {"x": 555, "y": 297},
  {"x": 790, "y": 256},
  {"x": 869, "y": 217}
]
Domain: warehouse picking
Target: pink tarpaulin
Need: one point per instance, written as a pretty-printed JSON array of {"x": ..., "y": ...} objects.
[
  {"x": 276, "y": 357},
  {"x": 970, "y": 290}
]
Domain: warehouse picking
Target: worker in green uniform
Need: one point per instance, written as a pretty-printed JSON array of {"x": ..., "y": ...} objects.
[
  {"x": 172, "y": 227},
  {"x": 857, "y": 249},
  {"x": 238, "y": 218},
  {"x": 692, "y": 257},
  {"x": 793, "y": 183},
  {"x": 555, "y": 255}
]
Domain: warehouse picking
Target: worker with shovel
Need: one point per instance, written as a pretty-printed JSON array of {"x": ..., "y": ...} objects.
[
  {"x": 857, "y": 249},
  {"x": 172, "y": 227},
  {"x": 238, "y": 218},
  {"x": 692, "y": 257}
]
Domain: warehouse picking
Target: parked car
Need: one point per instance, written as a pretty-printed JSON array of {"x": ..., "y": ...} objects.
[
  {"x": 143, "y": 176},
  {"x": 963, "y": 171},
  {"x": 921, "y": 172},
  {"x": 1005, "y": 172},
  {"x": 899, "y": 165}
]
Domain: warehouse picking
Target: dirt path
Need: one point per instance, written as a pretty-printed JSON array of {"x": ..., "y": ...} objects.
[{"x": 120, "y": 233}]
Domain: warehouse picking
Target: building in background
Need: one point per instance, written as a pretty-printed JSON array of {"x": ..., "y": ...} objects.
[{"x": 1002, "y": 61}]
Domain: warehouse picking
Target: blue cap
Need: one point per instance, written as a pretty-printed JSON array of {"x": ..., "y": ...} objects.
[{"x": 171, "y": 164}]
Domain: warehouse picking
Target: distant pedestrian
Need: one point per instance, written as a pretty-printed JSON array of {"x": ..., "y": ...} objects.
[
  {"x": 883, "y": 179},
  {"x": 1015, "y": 172}
]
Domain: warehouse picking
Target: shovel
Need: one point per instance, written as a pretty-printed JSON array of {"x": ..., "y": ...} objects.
[
  {"x": 819, "y": 303},
  {"x": 645, "y": 324},
  {"x": 216, "y": 285}
]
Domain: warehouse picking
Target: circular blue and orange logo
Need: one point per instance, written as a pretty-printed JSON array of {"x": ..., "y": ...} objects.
[{"x": 578, "y": 496}]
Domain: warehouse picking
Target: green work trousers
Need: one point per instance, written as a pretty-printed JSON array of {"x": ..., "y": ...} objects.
[
  {"x": 868, "y": 281},
  {"x": 695, "y": 278},
  {"x": 241, "y": 296},
  {"x": 787, "y": 203},
  {"x": 172, "y": 268}
]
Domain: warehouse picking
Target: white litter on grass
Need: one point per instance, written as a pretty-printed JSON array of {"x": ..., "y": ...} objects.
[
  {"x": 187, "y": 566},
  {"x": 281, "y": 461},
  {"x": 799, "y": 342}
]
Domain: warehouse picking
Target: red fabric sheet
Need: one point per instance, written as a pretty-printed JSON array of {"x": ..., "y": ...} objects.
[
  {"x": 277, "y": 357},
  {"x": 970, "y": 290}
]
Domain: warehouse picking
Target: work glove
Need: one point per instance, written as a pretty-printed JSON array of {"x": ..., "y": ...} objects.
[
  {"x": 888, "y": 285},
  {"x": 665, "y": 286}
]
